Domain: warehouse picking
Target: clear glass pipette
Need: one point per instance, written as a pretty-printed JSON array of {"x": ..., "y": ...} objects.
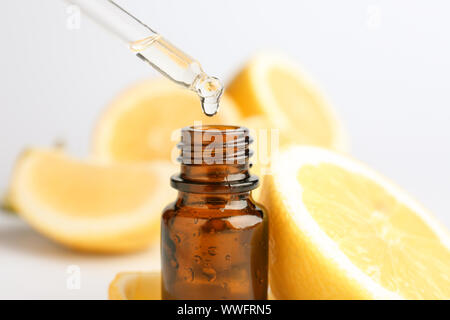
[{"x": 155, "y": 50}]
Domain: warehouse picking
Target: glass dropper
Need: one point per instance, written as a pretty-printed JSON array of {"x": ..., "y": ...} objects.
[{"x": 151, "y": 47}]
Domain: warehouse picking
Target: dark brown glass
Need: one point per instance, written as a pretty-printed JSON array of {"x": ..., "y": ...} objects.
[{"x": 214, "y": 241}]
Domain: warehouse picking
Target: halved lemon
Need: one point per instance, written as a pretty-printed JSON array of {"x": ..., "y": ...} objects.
[
  {"x": 141, "y": 123},
  {"x": 139, "y": 286},
  {"x": 276, "y": 88},
  {"x": 136, "y": 286},
  {"x": 338, "y": 230},
  {"x": 88, "y": 205}
]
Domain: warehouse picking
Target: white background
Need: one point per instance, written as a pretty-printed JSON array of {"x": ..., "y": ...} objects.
[{"x": 384, "y": 64}]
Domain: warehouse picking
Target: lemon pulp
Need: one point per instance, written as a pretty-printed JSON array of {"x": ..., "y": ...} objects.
[{"x": 380, "y": 235}]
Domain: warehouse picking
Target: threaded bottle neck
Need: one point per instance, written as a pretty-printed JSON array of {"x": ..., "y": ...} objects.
[{"x": 214, "y": 159}]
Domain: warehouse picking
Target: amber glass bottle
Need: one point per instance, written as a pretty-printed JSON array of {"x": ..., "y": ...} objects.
[{"x": 214, "y": 236}]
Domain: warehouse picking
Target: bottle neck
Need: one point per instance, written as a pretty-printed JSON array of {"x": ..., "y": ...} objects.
[
  {"x": 214, "y": 160},
  {"x": 237, "y": 201}
]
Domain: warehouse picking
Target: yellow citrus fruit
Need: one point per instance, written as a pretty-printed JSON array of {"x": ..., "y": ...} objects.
[
  {"x": 274, "y": 87},
  {"x": 6, "y": 203},
  {"x": 338, "y": 230},
  {"x": 136, "y": 286},
  {"x": 139, "y": 286},
  {"x": 141, "y": 123},
  {"x": 88, "y": 205}
]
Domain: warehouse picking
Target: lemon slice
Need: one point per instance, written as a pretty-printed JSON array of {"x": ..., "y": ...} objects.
[
  {"x": 274, "y": 87},
  {"x": 338, "y": 230},
  {"x": 139, "y": 286},
  {"x": 136, "y": 286},
  {"x": 141, "y": 123},
  {"x": 91, "y": 206}
]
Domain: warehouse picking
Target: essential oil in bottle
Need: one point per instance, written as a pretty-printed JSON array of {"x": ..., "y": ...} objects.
[{"x": 214, "y": 237}]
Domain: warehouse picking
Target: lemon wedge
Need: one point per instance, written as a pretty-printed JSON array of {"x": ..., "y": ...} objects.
[
  {"x": 136, "y": 286},
  {"x": 91, "y": 206}
]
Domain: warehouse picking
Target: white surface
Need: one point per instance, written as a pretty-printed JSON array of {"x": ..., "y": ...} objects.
[
  {"x": 384, "y": 64},
  {"x": 32, "y": 267}
]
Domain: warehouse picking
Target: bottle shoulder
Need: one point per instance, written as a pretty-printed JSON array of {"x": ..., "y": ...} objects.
[{"x": 242, "y": 207}]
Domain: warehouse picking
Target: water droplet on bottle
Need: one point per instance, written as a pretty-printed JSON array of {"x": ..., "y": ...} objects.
[
  {"x": 189, "y": 275},
  {"x": 210, "y": 274},
  {"x": 212, "y": 251},
  {"x": 197, "y": 259},
  {"x": 228, "y": 257}
]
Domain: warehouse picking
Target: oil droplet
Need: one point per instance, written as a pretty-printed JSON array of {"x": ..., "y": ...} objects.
[
  {"x": 210, "y": 274},
  {"x": 210, "y": 90},
  {"x": 212, "y": 251}
]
